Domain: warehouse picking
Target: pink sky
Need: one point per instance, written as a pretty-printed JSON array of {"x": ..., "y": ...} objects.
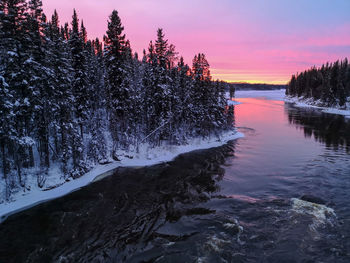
[{"x": 244, "y": 41}]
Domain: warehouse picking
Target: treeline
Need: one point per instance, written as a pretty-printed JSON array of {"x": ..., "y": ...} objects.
[
  {"x": 330, "y": 84},
  {"x": 69, "y": 101},
  {"x": 257, "y": 86}
]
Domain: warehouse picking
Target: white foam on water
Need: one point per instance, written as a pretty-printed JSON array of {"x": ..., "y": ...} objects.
[
  {"x": 215, "y": 244},
  {"x": 321, "y": 215}
]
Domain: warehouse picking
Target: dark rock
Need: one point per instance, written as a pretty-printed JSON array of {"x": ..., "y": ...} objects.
[
  {"x": 115, "y": 158},
  {"x": 199, "y": 211},
  {"x": 313, "y": 199}
]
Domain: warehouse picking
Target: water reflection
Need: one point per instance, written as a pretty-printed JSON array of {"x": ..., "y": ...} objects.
[
  {"x": 329, "y": 129},
  {"x": 195, "y": 209},
  {"x": 117, "y": 217}
]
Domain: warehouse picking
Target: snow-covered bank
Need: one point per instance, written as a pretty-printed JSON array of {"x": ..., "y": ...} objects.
[
  {"x": 267, "y": 94},
  {"x": 145, "y": 157},
  {"x": 233, "y": 102},
  {"x": 311, "y": 103}
]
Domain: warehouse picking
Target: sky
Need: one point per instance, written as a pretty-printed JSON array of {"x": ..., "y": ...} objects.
[{"x": 255, "y": 41}]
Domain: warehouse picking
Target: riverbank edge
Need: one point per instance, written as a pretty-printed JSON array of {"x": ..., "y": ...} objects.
[
  {"x": 99, "y": 172},
  {"x": 316, "y": 104}
]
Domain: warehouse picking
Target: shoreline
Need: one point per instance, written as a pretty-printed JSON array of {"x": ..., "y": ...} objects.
[
  {"x": 167, "y": 153},
  {"x": 311, "y": 103},
  {"x": 297, "y": 101}
]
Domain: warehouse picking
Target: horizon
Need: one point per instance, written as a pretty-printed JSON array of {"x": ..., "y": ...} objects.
[
  {"x": 243, "y": 42},
  {"x": 239, "y": 151}
]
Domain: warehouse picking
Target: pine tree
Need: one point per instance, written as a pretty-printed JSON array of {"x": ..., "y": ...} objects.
[
  {"x": 7, "y": 128},
  {"x": 160, "y": 108},
  {"x": 61, "y": 95},
  {"x": 97, "y": 146},
  {"x": 80, "y": 83},
  {"x": 202, "y": 78},
  {"x": 80, "y": 94},
  {"x": 39, "y": 79},
  {"x": 117, "y": 82},
  {"x": 328, "y": 83},
  {"x": 148, "y": 83},
  {"x": 161, "y": 46},
  {"x": 347, "y": 82},
  {"x": 59, "y": 59},
  {"x": 341, "y": 84},
  {"x": 14, "y": 34},
  {"x": 182, "y": 102}
]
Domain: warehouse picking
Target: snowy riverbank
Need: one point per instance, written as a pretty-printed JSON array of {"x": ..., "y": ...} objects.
[
  {"x": 311, "y": 103},
  {"x": 145, "y": 157},
  {"x": 267, "y": 94}
]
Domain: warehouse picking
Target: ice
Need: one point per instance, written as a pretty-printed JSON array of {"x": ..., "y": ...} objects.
[{"x": 267, "y": 94}]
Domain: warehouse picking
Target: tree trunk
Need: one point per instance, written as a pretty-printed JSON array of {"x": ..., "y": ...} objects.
[
  {"x": 4, "y": 160},
  {"x": 47, "y": 151},
  {"x": 31, "y": 156},
  {"x": 81, "y": 130}
]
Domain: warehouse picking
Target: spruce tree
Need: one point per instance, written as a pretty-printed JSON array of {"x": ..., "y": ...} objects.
[
  {"x": 182, "y": 102},
  {"x": 80, "y": 83},
  {"x": 59, "y": 58},
  {"x": 117, "y": 82},
  {"x": 329, "y": 83},
  {"x": 7, "y": 129},
  {"x": 14, "y": 34},
  {"x": 39, "y": 79},
  {"x": 62, "y": 96},
  {"x": 202, "y": 78},
  {"x": 80, "y": 94}
]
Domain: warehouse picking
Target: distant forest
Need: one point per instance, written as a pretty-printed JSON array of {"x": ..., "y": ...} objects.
[
  {"x": 330, "y": 84},
  {"x": 73, "y": 102}
]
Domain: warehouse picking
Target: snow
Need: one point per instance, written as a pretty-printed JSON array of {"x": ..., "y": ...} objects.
[
  {"x": 26, "y": 140},
  {"x": 267, "y": 94},
  {"x": 145, "y": 157},
  {"x": 345, "y": 113},
  {"x": 233, "y": 102},
  {"x": 26, "y": 102},
  {"x": 310, "y": 103},
  {"x": 11, "y": 53}
]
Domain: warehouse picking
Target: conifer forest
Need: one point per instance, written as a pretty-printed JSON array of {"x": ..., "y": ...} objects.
[
  {"x": 71, "y": 102},
  {"x": 329, "y": 84},
  {"x": 165, "y": 131}
]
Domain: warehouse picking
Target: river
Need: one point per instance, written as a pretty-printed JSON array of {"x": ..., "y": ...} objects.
[{"x": 281, "y": 194}]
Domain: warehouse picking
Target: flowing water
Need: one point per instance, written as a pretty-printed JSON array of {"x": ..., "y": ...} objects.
[{"x": 281, "y": 194}]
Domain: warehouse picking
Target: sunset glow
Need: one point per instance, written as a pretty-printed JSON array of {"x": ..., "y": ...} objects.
[{"x": 244, "y": 41}]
